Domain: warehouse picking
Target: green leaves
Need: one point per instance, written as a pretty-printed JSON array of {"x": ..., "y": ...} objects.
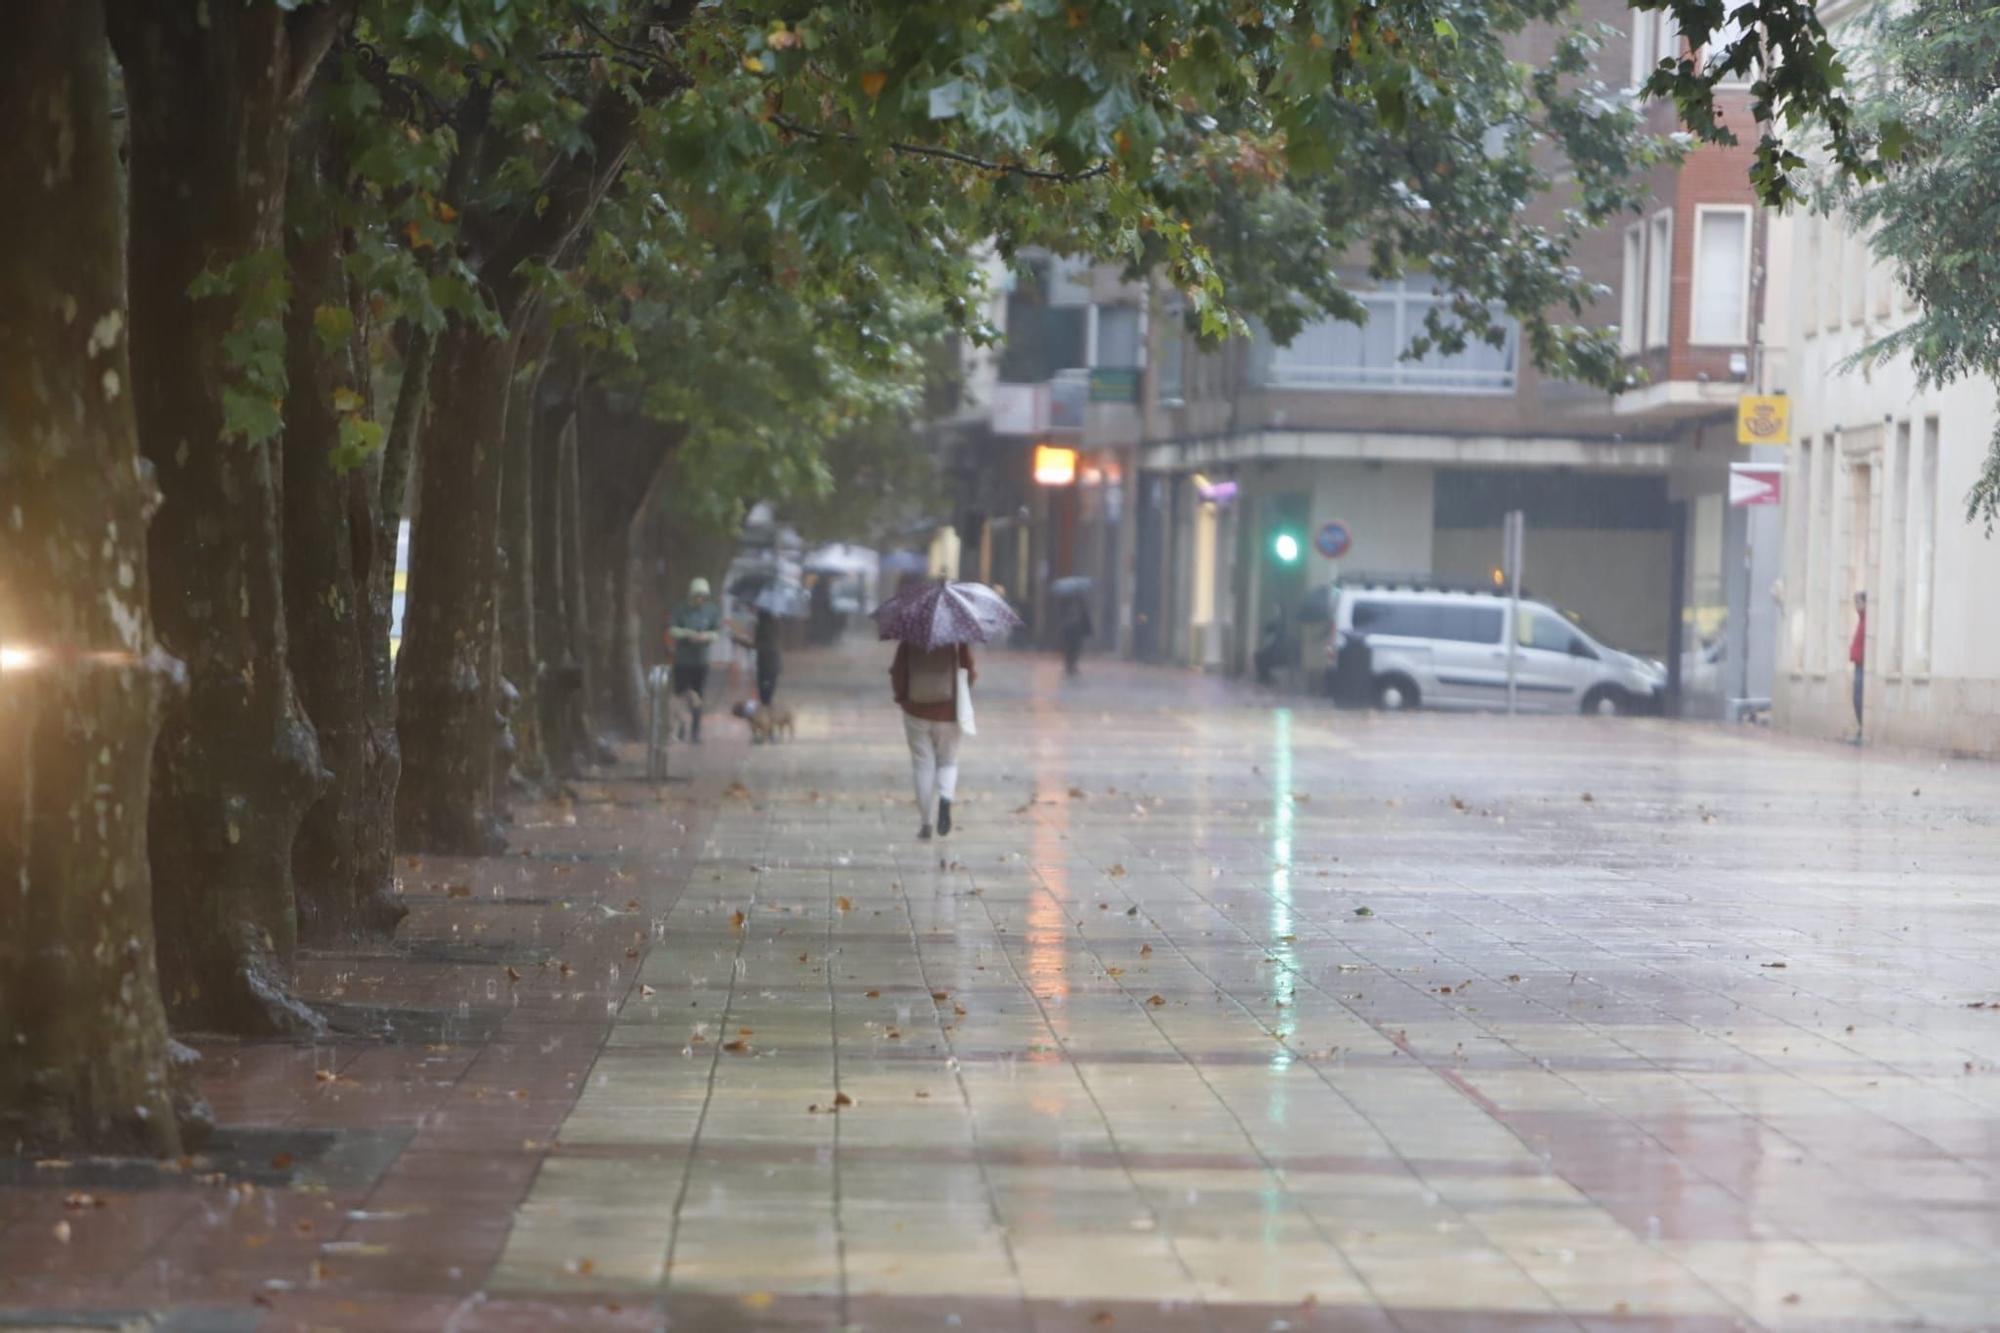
[
  {"x": 253, "y": 350},
  {"x": 1928, "y": 100}
]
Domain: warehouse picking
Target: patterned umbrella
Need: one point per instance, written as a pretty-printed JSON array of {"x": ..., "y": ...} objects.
[{"x": 933, "y": 614}]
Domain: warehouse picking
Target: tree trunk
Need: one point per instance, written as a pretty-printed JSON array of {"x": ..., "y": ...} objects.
[
  {"x": 446, "y": 690},
  {"x": 85, "y": 1060},
  {"x": 212, "y": 91},
  {"x": 340, "y": 859},
  {"x": 628, "y": 679},
  {"x": 561, "y": 674},
  {"x": 575, "y": 603},
  {"x": 622, "y": 454},
  {"x": 518, "y": 659}
]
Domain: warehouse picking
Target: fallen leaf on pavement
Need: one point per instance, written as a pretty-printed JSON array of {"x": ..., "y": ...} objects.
[
  {"x": 647, "y": 992},
  {"x": 736, "y": 791},
  {"x": 1076, "y": 793},
  {"x": 940, "y": 995},
  {"x": 843, "y": 904},
  {"x": 1117, "y": 871},
  {"x": 737, "y": 1047},
  {"x": 1364, "y": 911},
  {"x": 1156, "y": 1000},
  {"x": 842, "y": 1099},
  {"x": 581, "y": 1267},
  {"x": 458, "y": 890},
  {"x": 1145, "y": 951},
  {"x": 872, "y": 994},
  {"x": 512, "y": 975},
  {"x": 1770, "y": 964},
  {"x": 62, "y": 1233}
]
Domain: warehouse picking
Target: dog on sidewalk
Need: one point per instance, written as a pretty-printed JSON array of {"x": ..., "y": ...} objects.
[{"x": 767, "y": 721}]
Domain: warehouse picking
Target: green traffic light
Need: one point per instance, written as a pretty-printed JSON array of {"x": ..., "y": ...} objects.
[{"x": 1286, "y": 547}]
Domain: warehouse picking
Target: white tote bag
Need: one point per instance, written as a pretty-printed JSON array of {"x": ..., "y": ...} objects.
[{"x": 965, "y": 721}]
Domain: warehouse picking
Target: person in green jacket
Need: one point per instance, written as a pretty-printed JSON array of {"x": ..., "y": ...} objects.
[{"x": 694, "y": 627}]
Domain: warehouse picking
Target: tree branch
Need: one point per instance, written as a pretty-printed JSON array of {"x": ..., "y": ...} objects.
[
  {"x": 312, "y": 33},
  {"x": 791, "y": 126}
]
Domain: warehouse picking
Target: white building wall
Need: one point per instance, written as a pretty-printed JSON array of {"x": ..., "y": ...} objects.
[{"x": 1876, "y": 500}]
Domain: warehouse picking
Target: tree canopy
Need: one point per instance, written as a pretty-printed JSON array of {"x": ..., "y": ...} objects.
[{"x": 1934, "y": 213}]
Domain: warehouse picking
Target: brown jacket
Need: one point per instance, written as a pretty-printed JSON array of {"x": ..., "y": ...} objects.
[{"x": 899, "y": 682}]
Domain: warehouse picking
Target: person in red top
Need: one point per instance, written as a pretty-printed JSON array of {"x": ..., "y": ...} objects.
[
  {"x": 925, "y": 684},
  {"x": 1857, "y": 653}
]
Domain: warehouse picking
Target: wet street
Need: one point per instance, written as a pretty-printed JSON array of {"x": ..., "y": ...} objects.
[
  {"x": 1220, "y": 1015},
  {"x": 1211, "y": 1015}
]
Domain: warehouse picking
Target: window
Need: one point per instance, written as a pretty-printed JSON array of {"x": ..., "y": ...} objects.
[
  {"x": 1117, "y": 337},
  {"x": 1809, "y": 290},
  {"x": 1167, "y": 381},
  {"x": 1893, "y": 602},
  {"x": 1857, "y": 264},
  {"x": 1659, "y": 277},
  {"x": 1632, "y": 295},
  {"x": 1471, "y": 624},
  {"x": 1652, "y": 42},
  {"x": 1923, "y": 546},
  {"x": 1799, "y": 516},
  {"x": 1539, "y": 629},
  {"x": 1721, "y": 315},
  {"x": 1333, "y": 354},
  {"x": 1429, "y": 620}
]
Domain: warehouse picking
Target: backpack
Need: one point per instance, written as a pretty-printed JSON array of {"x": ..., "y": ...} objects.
[{"x": 933, "y": 675}]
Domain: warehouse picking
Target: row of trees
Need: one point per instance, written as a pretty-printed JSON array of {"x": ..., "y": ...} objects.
[{"x": 274, "y": 270}]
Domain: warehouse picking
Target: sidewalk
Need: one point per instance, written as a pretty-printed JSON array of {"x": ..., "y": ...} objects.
[
  {"x": 371, "y": 1183},
  {"x": 1214, "y": 1015}
]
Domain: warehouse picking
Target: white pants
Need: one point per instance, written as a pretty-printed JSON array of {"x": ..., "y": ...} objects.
[{"x": 933, "y": 762}]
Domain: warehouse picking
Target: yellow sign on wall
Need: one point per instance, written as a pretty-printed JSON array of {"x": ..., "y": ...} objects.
[{"x": 1763, "y": 418}]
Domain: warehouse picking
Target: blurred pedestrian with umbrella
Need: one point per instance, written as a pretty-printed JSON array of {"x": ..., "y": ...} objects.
[
  {"x": 769, "y": 600},
  {"x": 934, "y": 624}
]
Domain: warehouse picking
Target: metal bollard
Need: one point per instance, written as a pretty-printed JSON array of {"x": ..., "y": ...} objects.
[{"x": 659, "y": 721}]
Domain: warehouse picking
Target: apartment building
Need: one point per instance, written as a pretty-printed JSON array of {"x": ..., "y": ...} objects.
[
  {"x": 1417, "y": 461},
  {"x": 1876, "y": 481},
  {"x": 1171, "y": 469}
]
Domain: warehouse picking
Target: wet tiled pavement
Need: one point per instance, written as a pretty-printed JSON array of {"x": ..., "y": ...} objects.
[{"x": 1211, "y": 1015}]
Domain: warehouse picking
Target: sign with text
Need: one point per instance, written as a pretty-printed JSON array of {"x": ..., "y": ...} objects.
[
  {"x": 1763, "y": 418},
  {"x": 1114, "y": 385},
  {"x": 1756, "y": 484}
]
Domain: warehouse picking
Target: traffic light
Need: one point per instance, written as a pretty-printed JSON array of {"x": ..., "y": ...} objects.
[{"x": 1285, "y": 546}]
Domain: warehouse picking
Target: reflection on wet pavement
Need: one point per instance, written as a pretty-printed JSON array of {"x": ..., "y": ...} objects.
[{"x": 1220, "y": 1014}]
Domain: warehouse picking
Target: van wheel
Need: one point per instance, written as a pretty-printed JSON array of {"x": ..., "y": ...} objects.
[
  {"x": 1606, "y": 701},
  {"x": 1396, "y": 694}
]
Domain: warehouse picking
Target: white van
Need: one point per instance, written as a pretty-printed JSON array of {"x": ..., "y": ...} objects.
[{"x": 1448, "y": 649}]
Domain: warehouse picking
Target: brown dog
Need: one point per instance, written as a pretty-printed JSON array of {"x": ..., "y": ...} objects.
[{"x": 767, "y": 722}]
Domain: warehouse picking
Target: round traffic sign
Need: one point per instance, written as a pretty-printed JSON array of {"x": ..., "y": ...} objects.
[{"x": 1333, "y": 539}]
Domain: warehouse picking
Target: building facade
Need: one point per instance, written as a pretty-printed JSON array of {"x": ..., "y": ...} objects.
[
  {"x": 1878, "y": 470},
  {"x": 1418, "y": 461}
]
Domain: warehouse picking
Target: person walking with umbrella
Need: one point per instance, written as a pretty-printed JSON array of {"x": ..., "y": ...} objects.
[
  {"x": 934, "y": 625},
  {"x": 1073, "y": 618}
]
